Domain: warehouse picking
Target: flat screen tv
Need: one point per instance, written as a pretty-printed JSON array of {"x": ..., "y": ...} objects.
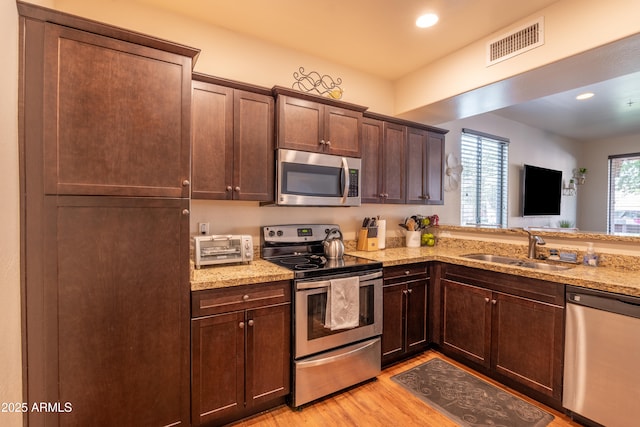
[{"x": 541, "y": 191}]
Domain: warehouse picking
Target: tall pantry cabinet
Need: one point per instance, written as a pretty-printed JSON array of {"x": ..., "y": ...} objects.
[{"x": 104, "y": 144}]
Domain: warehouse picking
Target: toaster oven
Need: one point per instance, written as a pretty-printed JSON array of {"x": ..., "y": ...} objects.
[{"x": 222, "y": 249}]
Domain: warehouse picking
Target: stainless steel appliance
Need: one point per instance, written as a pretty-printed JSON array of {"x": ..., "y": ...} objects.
[
  {"x": 325, "y": 359},
  {"x": 314, "y": 179},
  {"x": 602, "y": 357},
  {"x": 222, "y": 249}
]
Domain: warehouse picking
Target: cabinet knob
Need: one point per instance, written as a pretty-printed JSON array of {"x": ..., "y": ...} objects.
[
  {"x": 237, "y": 189},
  {"x": 245, "y": 297},
  {"x": 185, "y": 212},
  {"x": 407, "y": 272},
  {"x": 386, "y": 195},
  {"x": 328, "y": 143},
  {"x": 486, "y": 299},
  {"x": 381, "y": 195},
  {"x": 494, "y": 302},
  {"x": 241, "y": 325},
  {"x": 404, "y": 291},
  {"x": 186, "y": 183},
  {"x": 410, "y": 290},
  {"x": 250, "y": 322},
  {"x": 322, "y": 142},
  {"x": 229, "y": 188}
]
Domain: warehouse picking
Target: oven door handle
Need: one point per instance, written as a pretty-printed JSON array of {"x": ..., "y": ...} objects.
[{"x": 301, "y": 286}]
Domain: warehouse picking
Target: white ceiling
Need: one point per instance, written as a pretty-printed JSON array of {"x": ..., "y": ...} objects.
[{"x": 379, "y": 37}]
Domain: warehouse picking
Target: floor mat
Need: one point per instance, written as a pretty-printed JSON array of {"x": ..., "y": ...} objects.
[{"x": 468, "y": 400}]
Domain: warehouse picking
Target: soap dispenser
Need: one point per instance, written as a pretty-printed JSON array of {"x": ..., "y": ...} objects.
[{"x": 590, "y": 258}]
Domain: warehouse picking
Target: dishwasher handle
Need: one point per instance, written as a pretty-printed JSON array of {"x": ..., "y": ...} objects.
[{"x": 613, "y": 303}]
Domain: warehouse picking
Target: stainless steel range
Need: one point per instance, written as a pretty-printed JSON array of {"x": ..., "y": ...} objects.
[{"x": 337, "y": 311}]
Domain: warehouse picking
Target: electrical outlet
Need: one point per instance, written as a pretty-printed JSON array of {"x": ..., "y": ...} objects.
[{"x": 203, "y": 227}]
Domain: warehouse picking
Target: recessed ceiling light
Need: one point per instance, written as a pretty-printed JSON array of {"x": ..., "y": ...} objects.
[
  {"x": 584, "y": 96},
  {"x": 428, "y": 20}
]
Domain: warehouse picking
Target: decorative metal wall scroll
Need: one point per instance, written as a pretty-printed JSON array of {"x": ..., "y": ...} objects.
[{"x": 314, "y": 82}]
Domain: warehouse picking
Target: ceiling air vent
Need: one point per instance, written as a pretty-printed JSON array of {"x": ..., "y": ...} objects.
[{"x": 516, "y": 42}]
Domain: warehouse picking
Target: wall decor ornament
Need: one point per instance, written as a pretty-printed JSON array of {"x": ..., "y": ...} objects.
[
  {"x": 453, "y": 169},
  {"x": 314, "y": 82}
]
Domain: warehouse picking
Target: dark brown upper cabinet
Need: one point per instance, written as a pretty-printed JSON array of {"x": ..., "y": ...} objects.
[
  {"x": 383, "y": 161},
  {"x": 232, "y": 141},
  {"x": 425, "y": 167},
  {"x": 113, "y": 113},
  {"x": 313, "y": 123}
]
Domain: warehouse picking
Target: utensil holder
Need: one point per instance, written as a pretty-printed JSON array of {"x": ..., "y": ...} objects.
[{"x": 413, "y": 239}]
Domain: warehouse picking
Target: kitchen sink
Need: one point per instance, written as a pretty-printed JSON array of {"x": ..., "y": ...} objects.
[{"x": 517, "y": 262}]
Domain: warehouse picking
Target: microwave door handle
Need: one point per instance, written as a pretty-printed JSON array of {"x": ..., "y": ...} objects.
[{"x": 345, "y": 180}]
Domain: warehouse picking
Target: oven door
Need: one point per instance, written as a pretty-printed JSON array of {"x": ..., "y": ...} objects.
[
  {"x": 310, "y": 334},
  {"x": 313, "y": 179}
]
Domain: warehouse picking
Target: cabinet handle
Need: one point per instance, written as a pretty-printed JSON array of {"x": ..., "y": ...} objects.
[
  {"x": 185, "y": 212},
  {"x": 486, "y": 299},
  {"x": 386, "y": 195},
  {"x": 322, "y": 142},
  {"x": 328, "y": 143},
  {"x": 245, "y": 297},
  {"x": 241, "y": 325},
  {"x": 250, "y": 322},
  {"x": 494, "y": 302},
  {"x": 229, "y": 188},
  {"x": 237, "y": 189}
]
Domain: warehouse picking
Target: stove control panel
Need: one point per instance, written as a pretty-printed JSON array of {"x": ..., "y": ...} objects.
[{"x": 296, "y": 233}]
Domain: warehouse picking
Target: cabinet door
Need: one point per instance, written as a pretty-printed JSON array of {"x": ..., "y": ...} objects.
[
  {"x": 416, "y": 153},
  {"x": 116, "y": 117},
  {"x": 393, "y": 176},
  {"x": 300, "y": 124},
  {"x": 342, "y": 131},
  {"x": 393, "y": 321},
  {"x": 109, "y": 322},
  {"x": 466, "y": 321},
  {"x": 528, "y": 343},
  {"x": 253, "y": 164},
  {"x": 416, "y": 315},
  {"x": 212, "y": 141},
  {"x": 268, "y": 353},
  {"x": 435, "y": 169},
  {"x": 218, "y": 366},
  {"x": 372, "y": 161}
]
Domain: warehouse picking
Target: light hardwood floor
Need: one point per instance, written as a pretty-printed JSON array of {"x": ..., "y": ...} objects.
[{"x": 377, "y": 403}]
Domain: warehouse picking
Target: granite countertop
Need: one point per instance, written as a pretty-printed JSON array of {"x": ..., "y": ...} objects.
[
  {"x": 223, "y": 276},
  {"x": 260, "y": 271},
  {"x": 606, "y": 279}
]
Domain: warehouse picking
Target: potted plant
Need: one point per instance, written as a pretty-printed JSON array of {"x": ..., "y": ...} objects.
[{"x": 580, "y": 175}]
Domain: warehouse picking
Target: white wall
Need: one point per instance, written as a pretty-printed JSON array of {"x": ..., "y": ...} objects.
[
  {"x": 593, "y": 195},
  {"x": 10, "y": 338}
]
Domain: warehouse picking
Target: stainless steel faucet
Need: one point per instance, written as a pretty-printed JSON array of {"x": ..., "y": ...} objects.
[{"x": 534, "y": 241}]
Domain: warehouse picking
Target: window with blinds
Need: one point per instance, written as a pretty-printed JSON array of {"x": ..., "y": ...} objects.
[
  {"x": 484, "y": 180},
  {"x": 624, "y": 194}
]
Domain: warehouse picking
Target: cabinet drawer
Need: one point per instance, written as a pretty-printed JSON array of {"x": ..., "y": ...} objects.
[
  {"x": 406, "y": 271},
  {"x": 215, "y": 301}
]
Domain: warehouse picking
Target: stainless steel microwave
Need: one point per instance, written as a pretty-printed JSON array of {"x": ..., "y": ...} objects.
[{"x": 315, "y": 179}]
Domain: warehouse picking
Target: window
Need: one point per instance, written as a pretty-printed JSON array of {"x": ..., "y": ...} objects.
[
  {"x": 624, "y": 193},
  {"x": 484, "y": 179}
]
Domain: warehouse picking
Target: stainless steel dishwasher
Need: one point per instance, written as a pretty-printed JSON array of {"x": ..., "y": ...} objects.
[{"x": 602, "y": 357}]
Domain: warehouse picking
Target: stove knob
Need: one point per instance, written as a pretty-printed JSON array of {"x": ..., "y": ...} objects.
[
  {"x": 272, "y": 233},
  {"x": 280, "y": 233}
]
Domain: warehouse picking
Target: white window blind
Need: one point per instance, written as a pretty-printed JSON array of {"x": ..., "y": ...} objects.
[
  {"x": 624, "y": 194},
  {"x": 484, "y": 180}
]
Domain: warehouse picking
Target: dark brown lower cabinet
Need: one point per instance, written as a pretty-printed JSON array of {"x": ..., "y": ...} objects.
[
  {"x": 241, "y": 355},
  {"x": 405, "y": 296},
  {"x": 508, "y": 327}
]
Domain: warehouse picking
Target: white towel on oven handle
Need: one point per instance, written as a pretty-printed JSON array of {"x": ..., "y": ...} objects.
[{"x": 343, "y": 304}]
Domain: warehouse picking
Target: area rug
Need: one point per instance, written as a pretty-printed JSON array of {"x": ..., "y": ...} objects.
[{"x": 468, "y": 400}]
